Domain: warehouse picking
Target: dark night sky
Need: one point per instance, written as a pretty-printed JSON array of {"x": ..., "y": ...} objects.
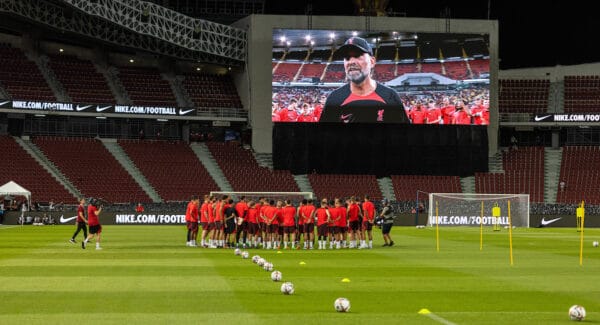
[{"x": 532, "y": 33}]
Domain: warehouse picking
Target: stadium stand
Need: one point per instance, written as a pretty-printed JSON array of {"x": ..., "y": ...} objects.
[
  {"x": 523, "y": 96},
  {"x": 523, "y": 174},
  {"x": 311, "y": 70},
  {"x": 479, "y": 67},
  {"x": 582, "y": 94},
  {"x": 285, "y": 72},
  {"x": 145, "y": 86},
  {"x": 335, "y": 73},
  {"x": 431, "y": 67},
  {"x": 340, "y": 186},
  {"x": 384, "y": 72},
  {"x": 21, "y": 78},
  {"x": 406, "y": 186},
  {"x": 405, "y": 68},
  {"x": 25, "y": 171},
  {"x": 171, "y": 167},
  {"x": 579, "y": 171},
  {"x": 91, "y": 168},
  {"x": 456, "y": 70},
  {"x": 243, "y": 172},
  {"x": 211, "y": 90},
  {"x": 81, "y": 80}
]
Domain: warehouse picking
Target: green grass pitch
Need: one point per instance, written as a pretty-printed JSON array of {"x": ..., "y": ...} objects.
[{"x": 146, "y": 275}]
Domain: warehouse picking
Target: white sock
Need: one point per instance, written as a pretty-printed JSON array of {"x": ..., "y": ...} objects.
[{"x": 370, "y": 244}]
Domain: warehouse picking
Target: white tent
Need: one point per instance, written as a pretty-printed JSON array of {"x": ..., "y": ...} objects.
[{"x": 15, "y": 189}]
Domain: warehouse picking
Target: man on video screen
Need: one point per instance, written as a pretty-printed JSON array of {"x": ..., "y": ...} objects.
[{"x": 362, "y": 99}]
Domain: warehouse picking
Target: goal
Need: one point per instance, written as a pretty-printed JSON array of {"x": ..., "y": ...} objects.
[
  {"x": 465, "y": 209},
  {"x": 295, "y": 197}
]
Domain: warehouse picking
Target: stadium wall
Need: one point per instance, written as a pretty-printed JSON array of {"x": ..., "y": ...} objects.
[{"x": 259, "y": 56}]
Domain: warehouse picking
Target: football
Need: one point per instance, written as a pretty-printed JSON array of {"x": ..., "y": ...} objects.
[
  {"x": 237, "y": 251},
  {"x": 268, "y": 267},
  {"x": 341, "y": 305},
  {"x": 595, "y": 244},
  {"x": 245, "y": 254},
  {"x": 261, "y": 261},
  {"x": 287, "y": 288},
  {"x": 276, "y": 276},
  {"x": 255, "y": 258},
  {"x": 577, "y": 312}
]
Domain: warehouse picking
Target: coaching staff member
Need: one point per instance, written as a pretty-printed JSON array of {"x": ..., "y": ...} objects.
[{"x": 362, "y": 99}]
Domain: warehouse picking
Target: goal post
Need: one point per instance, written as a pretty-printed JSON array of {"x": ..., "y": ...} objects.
[
  {"x": 293, "y": 196},
  {"x": 464, "y": 209}
]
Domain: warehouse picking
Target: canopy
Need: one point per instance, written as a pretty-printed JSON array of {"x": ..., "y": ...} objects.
[{"x": 15, "y": 189}]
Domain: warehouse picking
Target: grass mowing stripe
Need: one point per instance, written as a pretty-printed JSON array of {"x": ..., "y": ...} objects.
[{"x": 146, "y": 275}]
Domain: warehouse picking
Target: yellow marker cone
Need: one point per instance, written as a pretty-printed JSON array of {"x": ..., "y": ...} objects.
[
  {"x": 345, "y": 280},
  {"x": 302, "y": 263},
  {"x": 279, "y": 252},
  {"x": 424, "y": 311}
]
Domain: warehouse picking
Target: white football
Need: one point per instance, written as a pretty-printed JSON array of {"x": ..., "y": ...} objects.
[
  {"x": 577, "y": 312},
  {"x": 287, "y": 288},
  {"x": 255, "y": 258},
  {"x": 261, "y": 262},
  {"x": 268, "y": 267},
  {"x": 341, "y": 305},
  {"x": 237, "y": 251},
  {"x": 595, "y": 243},
  {"x": 276, "y": 276},
  {"x": 245, "y": 254}
]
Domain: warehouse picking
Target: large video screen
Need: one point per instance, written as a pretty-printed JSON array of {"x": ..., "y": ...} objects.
[{"x": 340, "y": 76}]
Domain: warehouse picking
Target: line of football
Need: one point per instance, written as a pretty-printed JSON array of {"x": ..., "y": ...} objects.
[{"x": 341, "y": 304}]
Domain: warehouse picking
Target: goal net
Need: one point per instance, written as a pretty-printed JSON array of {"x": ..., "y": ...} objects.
[
  {"x": 295, "y": 197},
  {"x": 464, "y": 209}
]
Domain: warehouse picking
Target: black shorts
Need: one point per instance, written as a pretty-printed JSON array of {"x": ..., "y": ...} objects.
[
  {"x": 354, "y": 225},
  {"x": 95, "y": 229},
  {"x": 204, "y": 225},
  {"x": 191, "y": 225},
  {"x": 386, "y": 228},
  {"x": 367, "y": 226},
  {"x": 273, "y": 228},
  {"x": 252, "y": 228},
  {"x": 323, "y": 230},
  {"x": 333, "y": 230},
  {"x": 289, "y": 229},
  {"x": 218, "y": 225},
  {"x": 230, "y": 229},
  {"x": 309, "y": 227}
]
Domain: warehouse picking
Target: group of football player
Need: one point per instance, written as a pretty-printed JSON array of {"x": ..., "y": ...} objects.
[{"x": 276, "y": 224}]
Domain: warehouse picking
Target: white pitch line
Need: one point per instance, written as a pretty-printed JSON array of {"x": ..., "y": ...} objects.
[
  {"x": 8, "y": 227},
  {"x": 437, "y": 318}
]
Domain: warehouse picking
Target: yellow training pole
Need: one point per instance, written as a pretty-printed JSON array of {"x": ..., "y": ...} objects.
[
  {"x": 437, "y": 227},
  {"x": 481, "y": 229},
  {"x": 581, "y": 216},
  {"x": 510, "y": 235}
]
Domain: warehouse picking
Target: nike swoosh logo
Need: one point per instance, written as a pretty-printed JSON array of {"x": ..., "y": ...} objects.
[
  {"x": 547, "y": 222},
  {"x": 100, "y": 109},
  {"x": 541, "y": 118},
  {"x": 182, "y": 112},
  {"x": 345, "y": 116},
  {"x": 6, "y": 102},
  {"x": 81, "y": 108},
  {"x": 64, "y": 220}
]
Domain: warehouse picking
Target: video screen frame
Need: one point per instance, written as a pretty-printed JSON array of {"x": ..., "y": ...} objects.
[{"x": 441, "y": 78}]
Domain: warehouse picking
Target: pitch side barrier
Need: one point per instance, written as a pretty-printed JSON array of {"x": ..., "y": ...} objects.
[
  {"x": 106, "y": 218},
  {"x": 177, "y": 218}
]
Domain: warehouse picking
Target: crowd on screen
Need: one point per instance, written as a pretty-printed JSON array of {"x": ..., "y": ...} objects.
[{"x": 469, "y": 106}]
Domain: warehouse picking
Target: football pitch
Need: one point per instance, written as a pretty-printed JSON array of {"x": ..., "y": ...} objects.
[{"x": 146, "y": 275}]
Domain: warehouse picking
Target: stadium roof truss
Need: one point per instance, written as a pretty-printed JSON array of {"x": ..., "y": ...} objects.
[{"x": 141, "y": 25}]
